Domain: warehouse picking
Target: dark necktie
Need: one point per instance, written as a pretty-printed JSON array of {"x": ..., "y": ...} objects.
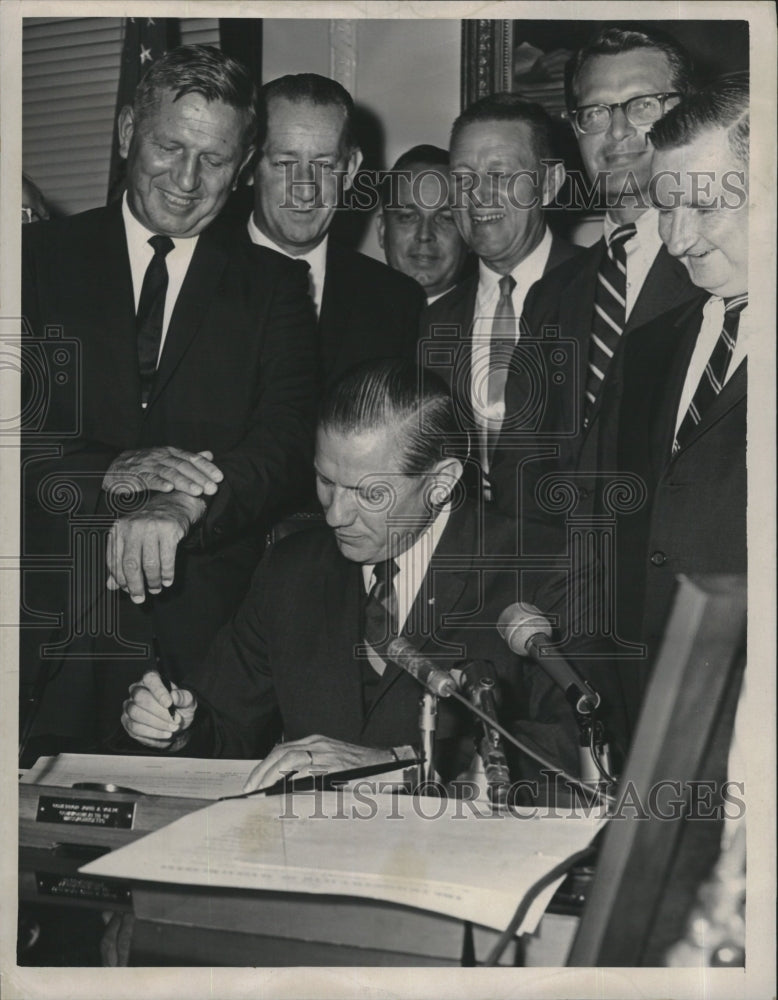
[
  {"x": 713, "y": 378},
  {"x": 380, "y": 623},
  {"x": 501, "y": 346},
  {"x": 151, "y": 312},
  {"x": 610, "y": 311},
  {"x": 381, "y": 606}
]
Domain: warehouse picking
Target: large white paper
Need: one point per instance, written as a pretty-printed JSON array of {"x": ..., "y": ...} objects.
[
  {"x": 426, "y": 853},
  {"x": 189, "y": 777}
]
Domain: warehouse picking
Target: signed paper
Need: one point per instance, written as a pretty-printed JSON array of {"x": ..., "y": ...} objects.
[{"x": 450, "y": 857}]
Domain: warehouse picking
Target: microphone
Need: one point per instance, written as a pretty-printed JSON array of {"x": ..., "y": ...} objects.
[
  {"x": 527, "y": 632},
  {"x": 406, "y": 656}
]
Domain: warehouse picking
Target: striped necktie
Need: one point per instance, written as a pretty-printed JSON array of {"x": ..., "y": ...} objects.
[
  {"x": 715, "y": 374},
  {"x": 610, "y": 311}
]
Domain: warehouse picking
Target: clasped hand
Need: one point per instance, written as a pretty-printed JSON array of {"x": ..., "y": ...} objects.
[
  {"x": 141, "y": 550},
  {"x": 146, "y": 716},
  {"x": 164, "y": 469},
  {"x": 312, "y": 755}
]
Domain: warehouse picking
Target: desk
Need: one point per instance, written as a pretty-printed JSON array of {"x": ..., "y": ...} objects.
[{"x": 187, "y": 925}]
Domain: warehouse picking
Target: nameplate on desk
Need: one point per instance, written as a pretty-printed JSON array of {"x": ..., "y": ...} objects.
[
  {"x": 82, "y": 887},
  {"x": 85, "y": 812}
]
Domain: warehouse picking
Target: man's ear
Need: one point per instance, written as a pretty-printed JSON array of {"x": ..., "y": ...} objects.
[
  {"x": 446, "y": 475},
  {"x": 554, "y": 179},
  {"x": 125, "y": 126},
  {"x": 249, "y": 179},
  {"x": 352, "y": 165},
  {"x": 380, "y": 226}
]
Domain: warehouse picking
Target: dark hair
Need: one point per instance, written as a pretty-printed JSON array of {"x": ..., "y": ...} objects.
[
  {"x": 616, "y": 39},
  {"x": 511, "y": 108},
  {"x": 311, "y": 88},
  {"x": 416, "y": 402},
  {"x": 723, "y": 104},
  {"x": 199, "y": 69},
  {"x": 423, "y": 155}
]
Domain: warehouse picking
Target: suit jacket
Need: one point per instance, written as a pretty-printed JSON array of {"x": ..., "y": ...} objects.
[
  {"x": 446, "y": 344},
  {"x": 694, "y": 518},
  {"x": 291, "y": 648},
  {"x": 236, "y": 376},
  {"x": 368, "y": 312},
  {"x": 558, "y": 315}
]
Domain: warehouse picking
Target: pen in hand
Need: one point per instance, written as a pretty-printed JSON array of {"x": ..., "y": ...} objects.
[{"x": 163, "y": 675}]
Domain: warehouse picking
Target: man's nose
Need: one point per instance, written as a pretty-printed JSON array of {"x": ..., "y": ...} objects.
[
  {"x": 307, "y": 181},
  {"x": 620, "y": 126},
  {"x": 678, "y": 231},
  {"x": 187, "y": 172},
  {"x": 425, "y": 229},
  {"x": 342, "y": 509}
]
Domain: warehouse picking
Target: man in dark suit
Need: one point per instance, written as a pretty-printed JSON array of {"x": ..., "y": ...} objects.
[
  {"x": 189, "y": 424},
  {"x": 617, "y": 87},
  {"x": 308, "y": 156},
  {"x": 416, "y": 228},
  {"x": 502, "y": 175},
  {"x": 401, "y": 554},
  {"x": 674, "y": 412}
]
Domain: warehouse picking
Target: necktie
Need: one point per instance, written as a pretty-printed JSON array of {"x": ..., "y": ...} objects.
[
  {"x": 501, "y": 346},
  {"x": 151, "y": 311},
  {"x": 712, "y": 379},
  {"x": 610, "y": 311},
  {"x": 380, "y": 622}
]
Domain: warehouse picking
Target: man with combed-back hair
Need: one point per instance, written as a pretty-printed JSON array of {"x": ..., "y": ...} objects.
[
  {"x": 308, "y": 156},
  {"x": 191, "y": 415},
  {"x": 300, "y": 649}
]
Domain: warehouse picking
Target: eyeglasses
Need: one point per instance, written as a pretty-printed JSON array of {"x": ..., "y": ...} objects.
[{"x": 642, "y": 110}]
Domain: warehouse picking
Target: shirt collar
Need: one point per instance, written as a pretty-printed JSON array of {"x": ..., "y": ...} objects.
[
  {"x": 138, "y": 235},
  {"x": 526, "y": 272},
  {"x": 419, "y": 553},
  {"x": 316, "y": 258},
  {"x": 646, "y": 231}
]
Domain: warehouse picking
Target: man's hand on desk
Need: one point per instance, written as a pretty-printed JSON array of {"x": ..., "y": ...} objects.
[
  {"x": 145, "y": 714},
  {"x": 142, "y": 546},
  {"x": 312, "y": 755},
  {"x": 165, "y": 469}
]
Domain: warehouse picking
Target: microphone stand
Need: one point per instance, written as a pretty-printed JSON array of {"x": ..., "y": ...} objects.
[
  {"x": 593, "y": 752},
  {"x": 428, "y": 717}
]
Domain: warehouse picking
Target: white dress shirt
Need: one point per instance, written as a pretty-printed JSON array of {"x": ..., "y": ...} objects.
[
  {"x": 141, "y": 253},
  {"x": 641, "y": 251},
  {"x": 525, "y": 274},
  {"x": 316, "y": 260},
  {"x": 412, "y": 566},
  {"x": 710, "y": 329}
]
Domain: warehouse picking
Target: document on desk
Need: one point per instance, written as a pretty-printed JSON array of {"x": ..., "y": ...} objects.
[
  {"x": 450, "y": 857},
  {"x": 188, "y": 777}
]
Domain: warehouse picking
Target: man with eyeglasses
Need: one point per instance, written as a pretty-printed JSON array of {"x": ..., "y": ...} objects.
[{"x": 618, "y": 86}]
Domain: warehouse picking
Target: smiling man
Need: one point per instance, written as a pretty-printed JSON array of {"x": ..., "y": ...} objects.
[
  {"x": 502, "y": 176},
  {"x": 675, "y": 413},
  {"x": 416, "y": 227},
  {"x": 308, "y": 156},
  {"x": 191, "y": 395},
  {"x": 401, "y": 554},
  {"x": 618, "y": 86}
]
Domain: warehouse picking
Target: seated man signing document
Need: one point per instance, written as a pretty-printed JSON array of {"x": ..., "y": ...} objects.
[{"x": 401, "y": 553}]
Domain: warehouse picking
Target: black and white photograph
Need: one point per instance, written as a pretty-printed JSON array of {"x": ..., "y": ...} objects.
[{"x": 388, "y": 540}]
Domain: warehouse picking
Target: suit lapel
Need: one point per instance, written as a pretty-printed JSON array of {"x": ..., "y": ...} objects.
[
  {"x": 667, "y": 285},
  {"x": 113, "y": 309},
  {"x": 336, "y": 308},
  {"x": 733, "y": 391},
  {"x": 344, "y": 597},
  {"x": 202, "y": 279}
]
